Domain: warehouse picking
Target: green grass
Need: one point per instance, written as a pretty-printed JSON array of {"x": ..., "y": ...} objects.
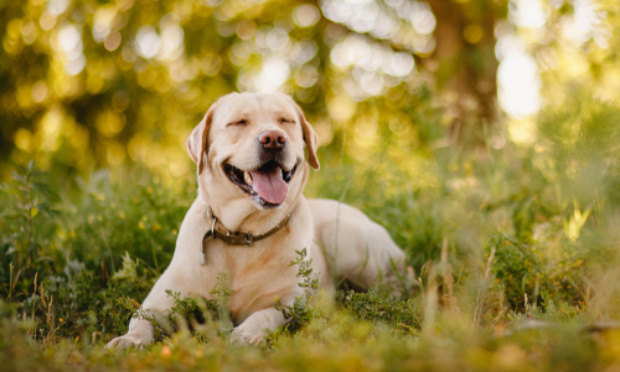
[{"x": 516, "y": 250}]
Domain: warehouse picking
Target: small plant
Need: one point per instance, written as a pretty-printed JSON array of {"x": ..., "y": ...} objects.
[
  {"x": 189, "y": 313},
  {"x": 30, "y": 198},
  {"x": 380, "y": 306},
  {"x": 300, "y": 311}
]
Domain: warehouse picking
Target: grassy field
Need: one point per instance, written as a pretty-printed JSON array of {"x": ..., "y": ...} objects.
[{"x": 516, "y": 248}]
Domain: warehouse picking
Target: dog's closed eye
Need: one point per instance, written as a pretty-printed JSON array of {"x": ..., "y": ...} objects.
[
  {"x": 238, "y": 122},
  {"x": 286, "y": 121}
]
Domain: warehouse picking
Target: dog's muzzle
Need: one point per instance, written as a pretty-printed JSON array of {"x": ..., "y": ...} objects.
[{"x": 267, "y": 185}]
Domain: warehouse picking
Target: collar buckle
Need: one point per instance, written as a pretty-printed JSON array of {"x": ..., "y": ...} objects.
[{"x": 249, "y": 239}]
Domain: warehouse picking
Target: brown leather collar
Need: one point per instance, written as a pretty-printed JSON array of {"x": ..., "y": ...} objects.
[{"x": 219, "y": 231}]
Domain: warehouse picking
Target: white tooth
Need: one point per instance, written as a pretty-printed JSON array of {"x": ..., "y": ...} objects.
[{"x": 247, "y": 177}]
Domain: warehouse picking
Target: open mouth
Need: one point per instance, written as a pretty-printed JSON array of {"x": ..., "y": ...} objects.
[{"x": 267, "y": 185}]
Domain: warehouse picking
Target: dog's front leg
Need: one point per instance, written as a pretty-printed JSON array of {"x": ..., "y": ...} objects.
[
  {"x": 257, "y": 325},
  {"x": 140, "y": 333},
  {"x": 157, "y": 305}
]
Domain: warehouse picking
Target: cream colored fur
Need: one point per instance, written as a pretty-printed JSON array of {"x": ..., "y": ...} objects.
[{"x": 335, "y": 235}]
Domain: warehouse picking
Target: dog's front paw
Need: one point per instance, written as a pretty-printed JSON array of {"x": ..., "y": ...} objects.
[
  {"x": 127, "y": 341},
  {"x": 243, "y": 335}
]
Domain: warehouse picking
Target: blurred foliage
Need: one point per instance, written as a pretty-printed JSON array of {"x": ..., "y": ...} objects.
[{"x": 124, "y": 81}]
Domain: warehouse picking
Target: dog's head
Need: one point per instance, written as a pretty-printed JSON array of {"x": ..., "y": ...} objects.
[{"x": 251, "y": 147}]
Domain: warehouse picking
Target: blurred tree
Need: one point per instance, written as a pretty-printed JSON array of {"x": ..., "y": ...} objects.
[
  {"x": 465, "y": 62},
  {"x": 125, "y": 80}
]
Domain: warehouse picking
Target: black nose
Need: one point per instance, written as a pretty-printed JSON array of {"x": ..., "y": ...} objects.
[{"x": 272, "y": 139}]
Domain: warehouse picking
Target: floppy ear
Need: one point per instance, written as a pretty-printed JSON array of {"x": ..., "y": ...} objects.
[
  {"x": 197, "y": 141},
  {"x": 310, "y": 138}
]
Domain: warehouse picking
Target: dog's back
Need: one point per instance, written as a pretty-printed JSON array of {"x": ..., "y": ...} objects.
[{"x": 357, "y": 249}]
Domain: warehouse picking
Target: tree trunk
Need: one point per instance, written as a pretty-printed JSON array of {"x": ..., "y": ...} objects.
[{"x": 465, "y": 64}]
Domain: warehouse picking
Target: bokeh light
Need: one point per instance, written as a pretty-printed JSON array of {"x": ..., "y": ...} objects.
[{"x": 126, "y": 74}]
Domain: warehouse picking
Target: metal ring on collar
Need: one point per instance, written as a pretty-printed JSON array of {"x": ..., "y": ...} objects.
[{"x": 213, "y": 227}]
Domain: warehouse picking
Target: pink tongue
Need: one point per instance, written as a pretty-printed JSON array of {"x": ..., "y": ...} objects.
[{"x": 270, "y": 186}]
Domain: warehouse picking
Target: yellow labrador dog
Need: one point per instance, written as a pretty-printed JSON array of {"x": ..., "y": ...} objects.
[{"x": 250, "y": 218}]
